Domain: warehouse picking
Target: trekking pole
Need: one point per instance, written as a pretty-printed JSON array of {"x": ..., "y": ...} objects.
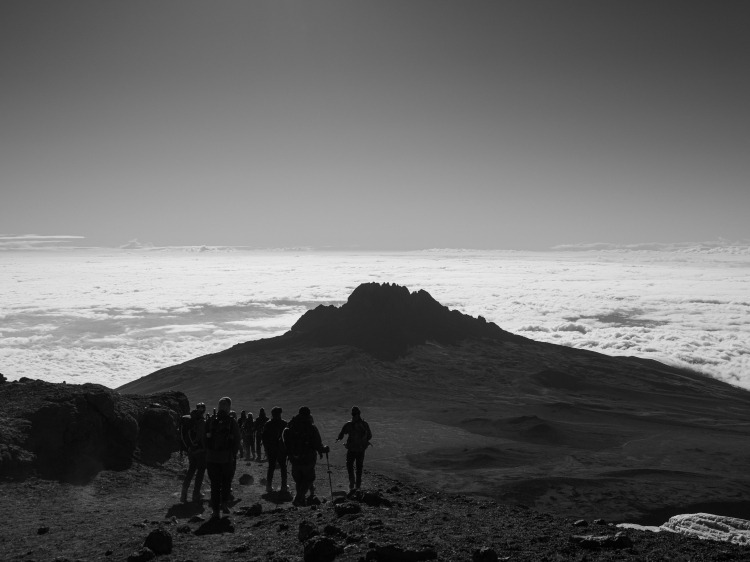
[{"x": 330, "y": 482}]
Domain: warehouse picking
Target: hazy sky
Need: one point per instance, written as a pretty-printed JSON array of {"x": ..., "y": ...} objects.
[{"x": 379, "y": 124}]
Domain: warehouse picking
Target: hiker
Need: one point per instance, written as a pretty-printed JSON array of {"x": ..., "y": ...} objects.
[
  {"x": 248, "y": 436},
  {"x": 260, "y": 421},
  {"x": 302, "y": 443},
  {"x": 241, "y": 424},
  {"x": 222, "y": 445},
  {"x": 359, "y": 436},
  {"x": 193, "y": 435},
  {"x": 233, "y": 415},
  {"x": 272, "y": 431}
]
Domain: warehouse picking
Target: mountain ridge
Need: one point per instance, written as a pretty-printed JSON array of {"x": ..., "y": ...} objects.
[{"x": 606, "y": 432}]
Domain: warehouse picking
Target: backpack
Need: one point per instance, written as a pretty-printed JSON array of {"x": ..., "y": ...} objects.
[
  {"x": 357, "y": 440},
  {"x": 188, "y": 433},
  {"x": 219, "y": 433},
  {"x": 297, "y": 442}
]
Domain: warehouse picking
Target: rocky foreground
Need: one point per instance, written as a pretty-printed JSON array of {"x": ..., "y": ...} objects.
[{"x": 119, "y": 513}]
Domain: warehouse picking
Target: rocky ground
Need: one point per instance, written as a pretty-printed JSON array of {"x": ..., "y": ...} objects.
[{"x": 111, "y": 518}]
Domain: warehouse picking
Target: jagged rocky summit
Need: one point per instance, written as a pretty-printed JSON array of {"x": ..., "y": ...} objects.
[{"x": 386, "y": 319}]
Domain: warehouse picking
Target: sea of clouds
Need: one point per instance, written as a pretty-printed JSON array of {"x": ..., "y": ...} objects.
[{"x": 111, "y": 316}]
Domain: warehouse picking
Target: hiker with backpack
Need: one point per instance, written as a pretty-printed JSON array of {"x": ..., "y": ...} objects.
[
  {"x": 193, "y": 439},
  {"x": 222, "y": 446},
  {"x": 272, "y": 432},
  {"x": 359, "y": 436},
  {"x": 248, "y": 436},
  {"x": 302, "y": 444},
  {"x": 260, "y": 421}
]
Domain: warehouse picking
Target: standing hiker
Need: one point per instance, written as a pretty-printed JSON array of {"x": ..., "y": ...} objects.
[
  {"x": 248, "y": 436},
  {"x": 260, "y": 421},
  {"x": 241, "y": 423},
  {"x": 302, "y": 443},
  {"x": 359, "y": 436},
  {"x": 222, "y": 445},
  {"x": 193, "y": 436},
  {"x": 271, "y": 442}
]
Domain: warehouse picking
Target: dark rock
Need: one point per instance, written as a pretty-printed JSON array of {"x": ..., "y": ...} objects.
[
  {"x": 246, "y": 480},
  {"x": 143, "y": 555},
  {"x": 394, "y": 553},
  {"x": 385, "y": 320},
  {"x": 158, "y": 435},
  {"x": 373, "y": 499},
  {"x": 306, "y": 530},
  {"x": 251, "y": 511},
  {"x": 160, "y": 541},
  {"x": 592, "y": 542},
  {"x": 581, "y": 523},
  {"x": 42, "y": 530},
  {"x": 320, "y": 549},
  {"x": 347, "y": 508},
  {"x": 183, "y": 529},
  {"x": 599, "y": 522},
  {"x": 71, "y": 432},
  {"x": 484, "y": 554},
  {"x": 2, "y": 378}
]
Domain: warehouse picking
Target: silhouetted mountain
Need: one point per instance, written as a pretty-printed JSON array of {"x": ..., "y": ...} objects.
[
  {"x": 385, "y": 320},
  {"x": 460, "y": 402}
]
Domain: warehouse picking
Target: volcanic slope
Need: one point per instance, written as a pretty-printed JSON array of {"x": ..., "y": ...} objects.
[{"x": 464, "y": 406}]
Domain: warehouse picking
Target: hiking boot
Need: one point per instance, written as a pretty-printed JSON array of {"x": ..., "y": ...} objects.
[{"x": 299, "y": 502}]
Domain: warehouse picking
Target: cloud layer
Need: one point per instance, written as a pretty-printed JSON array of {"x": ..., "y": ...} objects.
[{"x": 111, "y": 316}]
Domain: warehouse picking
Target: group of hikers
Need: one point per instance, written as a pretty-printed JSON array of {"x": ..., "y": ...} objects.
[{"x": 213, "y": 443}]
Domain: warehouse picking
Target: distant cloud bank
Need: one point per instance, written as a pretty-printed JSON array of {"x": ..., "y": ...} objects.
[
  {"x": 36, "y": 241},
  {"x": 111, "y": 316}
]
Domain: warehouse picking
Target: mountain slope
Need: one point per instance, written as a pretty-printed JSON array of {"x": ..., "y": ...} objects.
[{"x": 461, "y": 403}]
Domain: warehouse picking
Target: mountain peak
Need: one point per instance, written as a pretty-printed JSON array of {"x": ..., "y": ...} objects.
[{"x": 386, "y": 319}]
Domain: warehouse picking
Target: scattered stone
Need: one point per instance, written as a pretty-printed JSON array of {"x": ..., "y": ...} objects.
[
  {"x": 581, "y": 523},
  {"x": 159, "y": 541},
  {"x": 306, "y": 530},
  {"x": 251, "y": 511},
  {"x": 42, "y": 530},
  {"x": 320, "y": 549},
  {"x": 484, "y": 554},
  {"x": 599, "y": 522},
  {"x": 143, "y": 555},
  {"x": 183, "y": 529},
  {"x": 333, "y": 530},
  {"x": 373, "y": 499},
  {"x": 246, "y": 479},
  {"x": 617, "y": 541},
  {"x": 347, "y": 508}
]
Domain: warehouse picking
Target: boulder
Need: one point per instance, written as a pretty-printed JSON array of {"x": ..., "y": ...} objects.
[
  {"x": 320, "y": 549},
  {"x": 71, "y": 432},
  {"x": 159, "y": 541}
]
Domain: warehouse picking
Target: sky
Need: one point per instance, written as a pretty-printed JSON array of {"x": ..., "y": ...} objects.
[{"x": 375, "y": 125}]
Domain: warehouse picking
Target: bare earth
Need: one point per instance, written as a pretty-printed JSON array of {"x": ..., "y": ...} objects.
[{"x": 109, "y": 519}]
